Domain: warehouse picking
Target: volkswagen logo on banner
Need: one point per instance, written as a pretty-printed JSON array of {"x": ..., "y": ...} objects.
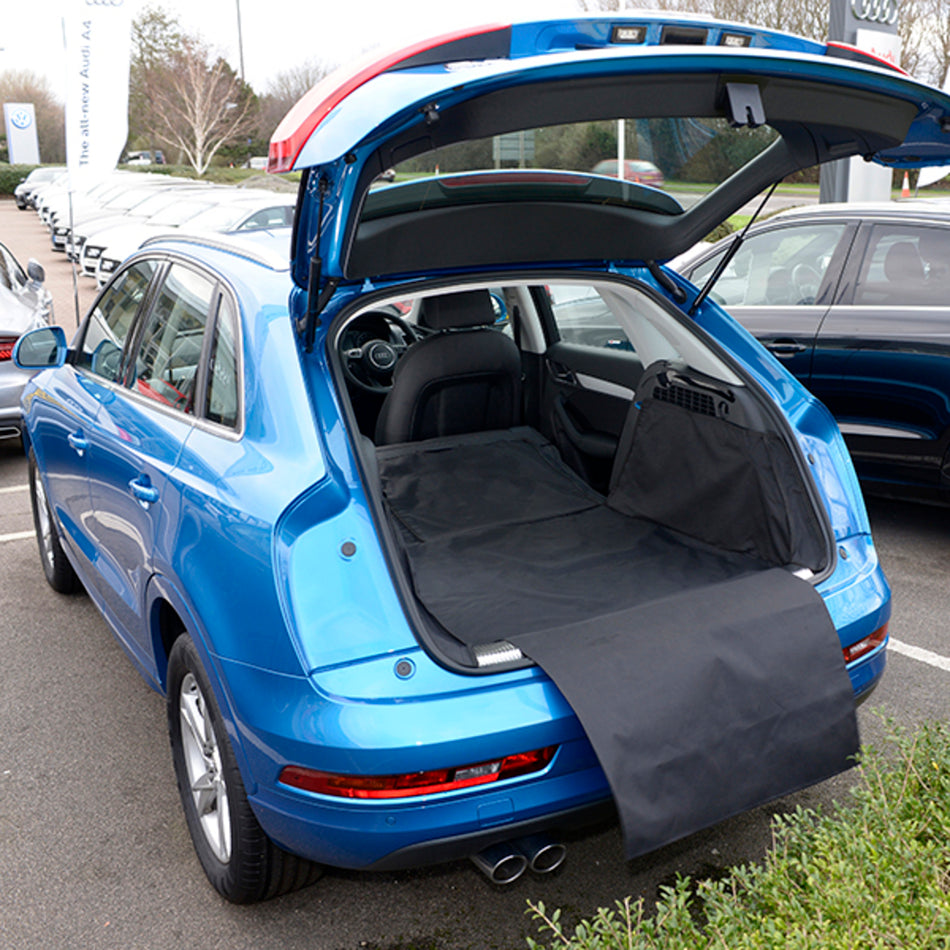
[
  {"x": 876, "y": 11},
  {"x": 21, "y": 118}
]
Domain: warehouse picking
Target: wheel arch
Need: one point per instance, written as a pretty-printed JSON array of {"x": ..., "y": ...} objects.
[
  {"x": 25, "y": 439},
  {"x": 169, "y": 616}
]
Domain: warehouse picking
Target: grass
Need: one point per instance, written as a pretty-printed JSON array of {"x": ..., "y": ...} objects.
[{"x": 873, "y": 873}]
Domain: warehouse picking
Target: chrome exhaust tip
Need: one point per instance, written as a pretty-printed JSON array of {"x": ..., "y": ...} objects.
[
  {"x": 542, "y": 853},
  {"x": 501, "y": 863}
]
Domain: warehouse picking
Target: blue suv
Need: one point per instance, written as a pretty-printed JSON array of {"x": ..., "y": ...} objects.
[{"x": 454, "y": 520}]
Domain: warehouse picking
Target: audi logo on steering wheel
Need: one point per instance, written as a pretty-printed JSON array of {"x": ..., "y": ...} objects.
[{"x": 876, "y": 11}]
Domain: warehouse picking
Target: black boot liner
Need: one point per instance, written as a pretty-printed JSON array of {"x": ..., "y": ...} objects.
[{"x": 708, "y": 678}]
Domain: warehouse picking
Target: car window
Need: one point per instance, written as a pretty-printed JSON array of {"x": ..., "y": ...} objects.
[
  {"x": 223, "y": 372},
  {"x": 276, "y": 217},
  {"x": 166, "y": 361},
  {"x": 780, "y": 267},
  {"x": 583, "y": 317},
  {"x": 111, "y": 319},
  {"x": 905, "y": 266},
  {"x": 11, "y": 274}
]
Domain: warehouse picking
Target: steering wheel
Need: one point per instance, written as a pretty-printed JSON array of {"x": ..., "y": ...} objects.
[
  {"x": 370, "y": 365},
  {"x": 806, "y": 281}
]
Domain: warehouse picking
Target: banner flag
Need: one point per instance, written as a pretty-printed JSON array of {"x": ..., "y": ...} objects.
[{"x": 96, "y": 35}]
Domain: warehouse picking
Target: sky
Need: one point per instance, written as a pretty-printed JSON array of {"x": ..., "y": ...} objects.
[{"x": 277, "y": 36}]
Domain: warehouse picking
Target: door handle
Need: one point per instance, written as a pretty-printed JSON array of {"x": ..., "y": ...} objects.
[
  {"x": 78, "y": 442},
  {"x": 562, "y": 374},
  {"x": 143, "y": 491},
  {"x": 785, "y": 347}
]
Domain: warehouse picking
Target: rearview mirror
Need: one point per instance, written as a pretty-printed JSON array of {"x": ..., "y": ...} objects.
[{"x": 42, "y": 348}]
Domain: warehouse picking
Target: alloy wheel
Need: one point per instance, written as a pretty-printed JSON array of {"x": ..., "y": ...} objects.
[{"x": 206, "y": 780}]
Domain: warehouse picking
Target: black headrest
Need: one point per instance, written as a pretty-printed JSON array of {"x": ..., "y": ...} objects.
[{"x": 471, "y": 308}]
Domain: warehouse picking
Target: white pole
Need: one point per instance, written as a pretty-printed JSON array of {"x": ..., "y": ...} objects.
[
  {"x": 70, "y": 178},
  {"x": 621, "y": 148}
]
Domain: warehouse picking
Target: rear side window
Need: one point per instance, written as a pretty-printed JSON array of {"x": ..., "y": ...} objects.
[
  {"x": 168, "y": 355},
  {"x": 223, "y": 401},
  {"x": 109, "y": 323},
  {"x": 905, "y": 266},
  {"x": 781, "y": 267},
  {"x": 583, "y": 318}
]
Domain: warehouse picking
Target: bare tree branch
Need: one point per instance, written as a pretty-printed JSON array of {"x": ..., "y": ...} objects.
[
  {"x": 284, "y": 90},
  {"x": 195, "y": 106}
]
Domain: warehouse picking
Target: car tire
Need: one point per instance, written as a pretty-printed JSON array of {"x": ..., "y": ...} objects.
[
  {"x": 240, "y": 861},
  {"x": 59, "y": 572}
]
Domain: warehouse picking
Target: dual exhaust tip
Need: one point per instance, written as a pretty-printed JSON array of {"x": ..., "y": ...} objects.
[{"x": 504, "y": 863}]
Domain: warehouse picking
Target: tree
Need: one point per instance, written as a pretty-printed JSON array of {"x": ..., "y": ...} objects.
[
  {"x": 156, "y": 38},
  {"x": 27, "y": 86},
  {"x": 198, "y": 105},
  {"x": 183, "y": 96},
  {"x": 924, "y": 27},
  {"x": 285, "y": 89}
]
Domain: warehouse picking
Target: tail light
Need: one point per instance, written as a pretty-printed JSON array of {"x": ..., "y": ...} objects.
[
  {"x": 6, "y": 347},
  {"x": 865, "y": 646},
  {"x": 416, "y": 783}
]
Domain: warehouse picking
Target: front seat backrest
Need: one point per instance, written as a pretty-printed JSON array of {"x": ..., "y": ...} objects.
[
  {"x": 466, "y": 377},
  {"x": 903, "y": 268}
]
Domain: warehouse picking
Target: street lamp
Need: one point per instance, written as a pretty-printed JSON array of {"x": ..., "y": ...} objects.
[{"x": 240, "y": 40}]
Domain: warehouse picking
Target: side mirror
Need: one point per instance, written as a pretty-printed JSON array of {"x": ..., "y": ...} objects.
[
  {"x": 42, "y": 348},
  {"x": 35, "y": 272},
  {"x": 501, "y": 311}
]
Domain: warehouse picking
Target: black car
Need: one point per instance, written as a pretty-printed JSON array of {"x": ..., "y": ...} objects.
[{"x": 854, "y": 299}]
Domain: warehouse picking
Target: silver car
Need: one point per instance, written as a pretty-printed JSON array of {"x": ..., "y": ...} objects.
[{"x": 24, "y": 304}]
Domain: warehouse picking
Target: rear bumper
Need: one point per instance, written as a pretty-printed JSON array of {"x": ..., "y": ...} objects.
[
  {"x": 391, "y": 835},
  {"x": 12, "y": 381},
  {"x": 456, "y": 847}
]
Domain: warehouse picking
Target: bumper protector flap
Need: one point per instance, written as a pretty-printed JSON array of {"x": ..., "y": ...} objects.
[{"x": 706, "y": 703}]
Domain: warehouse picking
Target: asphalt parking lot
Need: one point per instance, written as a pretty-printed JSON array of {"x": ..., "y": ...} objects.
[{"x": 94, "y": 848}]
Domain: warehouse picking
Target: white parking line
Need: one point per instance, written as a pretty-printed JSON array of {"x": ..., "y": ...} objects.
[
  {"x": 918, "y": 653},
  {"x": 13, "y": 488},
  {"x": 17, "y": 536}
]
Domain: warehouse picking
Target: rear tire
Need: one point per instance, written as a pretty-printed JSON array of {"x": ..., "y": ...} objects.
[
  {"x": 240, "y": 861},
  {"x": 59, "y": 572}
]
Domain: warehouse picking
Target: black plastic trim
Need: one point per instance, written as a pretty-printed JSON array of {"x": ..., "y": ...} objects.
[
  {"x": 495, "y": 44},
  {"x": 441, "y": 850}
]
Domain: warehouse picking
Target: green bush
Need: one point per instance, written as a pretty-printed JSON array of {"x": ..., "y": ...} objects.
[
  {"x": 875, "y": 872},
  {"x": 11, "y": 176},
  {"x": 719, "y": 232}
]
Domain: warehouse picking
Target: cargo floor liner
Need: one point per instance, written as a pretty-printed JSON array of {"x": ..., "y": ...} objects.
[{"x": 708, "y": 681}]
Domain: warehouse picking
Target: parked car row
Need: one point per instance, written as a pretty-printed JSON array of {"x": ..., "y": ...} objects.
[
  {"x": 25, "y": 304},
  {"x": 474, "y": 523},
  {"x": 98, "y": 228}
]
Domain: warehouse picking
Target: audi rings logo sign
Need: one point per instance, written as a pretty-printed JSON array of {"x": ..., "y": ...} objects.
[{"x": 876, "y": 11}]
